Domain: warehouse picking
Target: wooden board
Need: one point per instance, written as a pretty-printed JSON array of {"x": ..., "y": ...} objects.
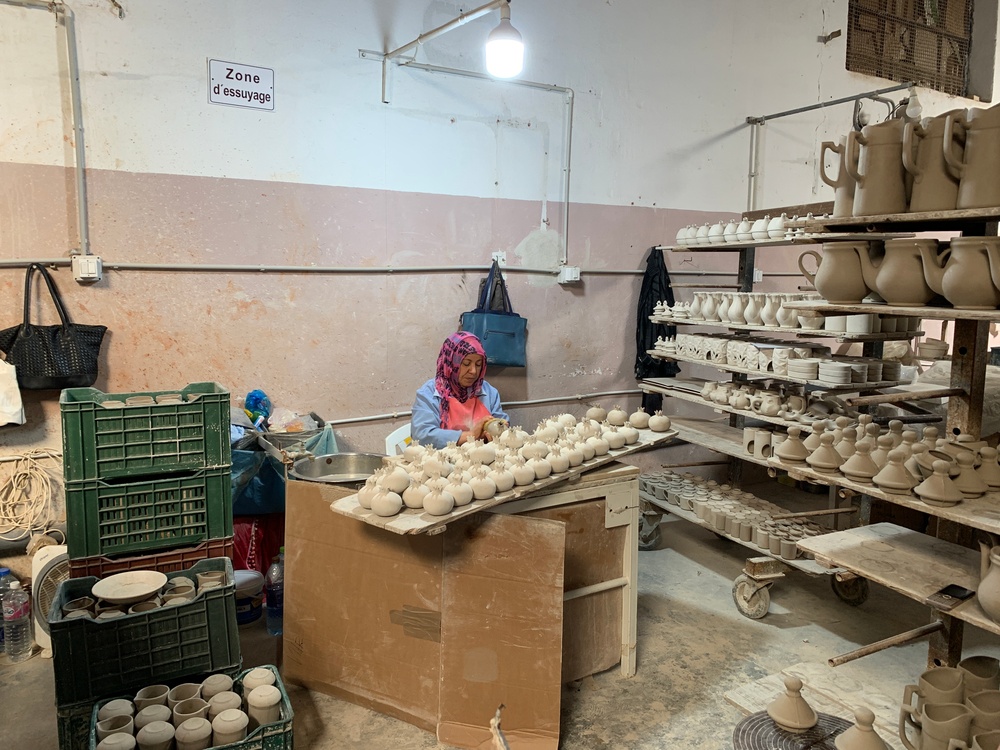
[
  {"x": 828, "y": 692},
  {"x": 695, "y": 398},
  {"x": 913, "y": 564},
  {"x": 717, "y": 436},
  {"x": 979, "y": 513},
  {"x": 815, "y": 239},
  {"x": 919, "y": 219},
  {"x": 817, "y": 384},
  {"x": 801, "y": 333},
  {"x": 418, "y": 522},
  {"x": 927, "y": 313}
]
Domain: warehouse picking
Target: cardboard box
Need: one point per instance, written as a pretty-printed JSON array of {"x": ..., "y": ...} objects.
[{"x": 436, "y": 630}]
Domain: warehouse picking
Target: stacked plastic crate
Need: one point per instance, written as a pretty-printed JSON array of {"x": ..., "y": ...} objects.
[{"x": 147, "y": 488}]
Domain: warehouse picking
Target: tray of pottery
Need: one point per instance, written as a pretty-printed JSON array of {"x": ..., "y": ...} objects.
[{"x": 418, "y": 521}]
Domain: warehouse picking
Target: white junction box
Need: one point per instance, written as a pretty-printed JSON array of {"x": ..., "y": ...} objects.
[
  {"x": 569, "y": 275},
  {"x": 87, "y": 268}
]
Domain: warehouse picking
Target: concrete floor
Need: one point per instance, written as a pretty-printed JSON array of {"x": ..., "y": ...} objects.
[{"x": 693, "y": 647}]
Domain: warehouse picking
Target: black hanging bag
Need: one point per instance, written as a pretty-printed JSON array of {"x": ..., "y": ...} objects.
[{"x": 50, "y": 357}]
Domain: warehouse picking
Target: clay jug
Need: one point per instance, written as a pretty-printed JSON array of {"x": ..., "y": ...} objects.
[
  {"x": 838, "y": 276},
  {"x": 786, "y": 316},
  {"x": 752, "y": 312},
  {"x": 844, "y": 185},
  {"x": 769, "y": 313},
  {"x": 977, "y": 169},
  {"x": 935, "y": 187},
  {"x": 988, "y": 591},
  {"x": 962, "y": 273},
  {"x": 877, "y": 168},
  {"x": 899, "y": 276},
  {"x": 736, "y": 309},
  {"x": 723, "y": 308}
]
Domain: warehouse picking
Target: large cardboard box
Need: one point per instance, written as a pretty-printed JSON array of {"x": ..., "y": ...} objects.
[{"x": 436, "y": 630}]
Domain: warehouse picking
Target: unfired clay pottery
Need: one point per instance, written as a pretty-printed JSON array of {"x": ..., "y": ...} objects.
[
  {"x": 825, "y": 459},
  {"x": 811, "y": 442},
  {"x": 980, "y": 673},
  {"x": 758, "y": 230},
  {"x": 977, "y": 170},
  {"x": 985, "y": 707},
  {"x": 118, "y": 707},
  {"x": 862, "y": 736},
  {"x": 899, "y": 276},
  {"x": 151, "y": 695},
  {"x": 194, "y": 734},
  {"x": 859, "y": 466},
  {"x": 878, "y": 171},
  {"x": 639, "y": 419},
  {"x": 118, "y": 724},
  {"x": 117, "y": 741},
  {"x": 157, "y": 735},
  {"x": 192, "y": 708},
  {"x": 938, "y": 489},
  {"x": 149, "y": 714},
  {"x": 935, "y": 187},
  {"x": 215, "y": 684},
  {"x": 881, "y": 453},
  {"x": 223, "y": 702},
  {"x": 929, "y": 437},
  {"x": 989, "y": 469},
  {"x": 893, "y": 477},
  {"x": 844, "y": 185},
  {"x": 385, "y": 503},
  {"x": 938, "y": 722},
  {"x": 838, "y": 275},
  {"x": 962, "y": 273},
  {"x": 792, "y": 450},
  {"x": 988, "y": 592},
  {"x": 659, "y": 422},
  {"x": 790, "y": 711},
  {"x": 264, "y": 705},
  {"x": 968, "y": 481},
  {"x": 846, "y": 446},
  {"x": 229, "y": 726}
]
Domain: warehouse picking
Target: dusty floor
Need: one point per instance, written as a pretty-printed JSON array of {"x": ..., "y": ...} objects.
[{"x": 693, "y": 647}]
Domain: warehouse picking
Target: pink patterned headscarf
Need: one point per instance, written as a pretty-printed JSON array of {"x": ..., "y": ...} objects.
[{"x": 455, "y": 348}]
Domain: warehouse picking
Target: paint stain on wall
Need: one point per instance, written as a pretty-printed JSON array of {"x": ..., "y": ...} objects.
[{"x": 540, "y": 249}]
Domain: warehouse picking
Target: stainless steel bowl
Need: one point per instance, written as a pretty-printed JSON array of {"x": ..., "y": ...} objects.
[{"x": 337, "y": 468}]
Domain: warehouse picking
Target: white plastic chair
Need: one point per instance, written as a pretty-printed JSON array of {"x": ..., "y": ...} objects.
[{"x": 397, "y": 440}]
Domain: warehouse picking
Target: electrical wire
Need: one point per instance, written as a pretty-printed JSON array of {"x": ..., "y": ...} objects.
[{"x": 26, "y": 496}]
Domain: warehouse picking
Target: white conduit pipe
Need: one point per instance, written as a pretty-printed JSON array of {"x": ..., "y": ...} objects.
[{"x": 506, "y": 405}]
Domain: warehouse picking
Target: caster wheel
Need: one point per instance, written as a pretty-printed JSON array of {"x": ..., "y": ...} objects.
[
  {"x": 650, "y": 537},
  {"x": 752, "y": 601},
  {"x": 853, "y": 592}
]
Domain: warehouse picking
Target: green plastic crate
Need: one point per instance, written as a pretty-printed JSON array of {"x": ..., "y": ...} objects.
[
  {"x": 74, "y": 722},
  {"x": 107, "y": 442},
  {"x": 276, "y": 736},
  {"x": 130, "y": 517},
  {"x": 94, "y": 659}
]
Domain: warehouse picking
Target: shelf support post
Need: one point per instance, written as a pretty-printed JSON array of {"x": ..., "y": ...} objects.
[
  {"x": 968, "y": 372},
  {"x": 946, "y": 644}
]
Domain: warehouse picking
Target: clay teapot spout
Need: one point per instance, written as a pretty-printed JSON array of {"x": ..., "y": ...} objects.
[
  {"x": 933, "y": 268},
  {"x": 869, "y": 269},
  {"x": 985, "y": 548}
]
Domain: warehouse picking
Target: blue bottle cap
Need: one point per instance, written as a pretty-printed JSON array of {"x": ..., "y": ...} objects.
[{"x": 4, "y": 572}]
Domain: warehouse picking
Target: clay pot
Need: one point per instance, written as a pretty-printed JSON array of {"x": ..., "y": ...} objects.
[
  {"x": 978, "y": 166},
  {"x": 192, "y": 708},
  {"x": 149, "y": 714},
  {"x": 862, "y": 736},
  {"x": 223, "y": 702},
  {"x": 938, "y": 489},
  {"x": 935, "y": 187},
  {"x": 893, "y": 477},
  {"x": 859, "y": 466},
  {"x": 790, "y": 711},
  {"x": 968, "y": 481},
  {"x": 980, "y": 673},
  {"x": 215, "y": 684},
  {"x": 939, "y": 723},
  {"x": 157, "y": 735},
  {"x": 844, "y": 186},
  {"x": 899, "y": 276},
  {"x": 118, "y": 707},
  {"x": 119, "y": 724},
  {"x": 151, "y": 695},
  {"x": 962, "y": 273},
  {"x": 194, "y": 734},
  {"x": 988, "y": 591},
  {"x": 117, "y": 741},
  {"x": 264, "y": 705},
  {"x": 839, "y": 276},
  {"x": 825, "y": 459},
  {"x": 989, "y": 469},
  {"x": 229, "y": 726},
  {"x": 878, "y": 169}
]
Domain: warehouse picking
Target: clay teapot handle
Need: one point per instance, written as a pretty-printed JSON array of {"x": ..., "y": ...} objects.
[
  {"x": 823, "y": 148},
  {"x": 852, "y": 155},
  {"x": 904, "y": 713},
  {"x": 956, "y": 167},
  {"x": 912, "y": 131},
  {"x": 810, "y": 276}
]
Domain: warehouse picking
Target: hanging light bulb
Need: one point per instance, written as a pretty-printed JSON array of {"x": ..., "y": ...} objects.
[
  {"x": 913, "y": 107},
  {"x": 504, "y": 48}
]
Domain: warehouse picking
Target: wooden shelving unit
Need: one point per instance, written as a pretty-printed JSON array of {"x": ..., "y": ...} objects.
[
  {"x": 804, "y": 333},
  {"x": 816, "y": 237}
]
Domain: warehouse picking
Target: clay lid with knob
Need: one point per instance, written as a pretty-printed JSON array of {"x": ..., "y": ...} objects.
[
  {"x": 790, "y": 711},
  {"x": 862, "y": 736}
]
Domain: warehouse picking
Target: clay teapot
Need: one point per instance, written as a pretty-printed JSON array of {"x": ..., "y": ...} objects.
[
  {"x": 988, "y": 592},
  {"x": 877, "y": 168},
  {"x": 978, "y": 186},
  {"x": 899, "y": 276},
  {"x": 844, "y": 185},
  {"x": 962, "y": 273},
  {"x": 839, "y": 276},
  {"x": 935, "y": 187}
]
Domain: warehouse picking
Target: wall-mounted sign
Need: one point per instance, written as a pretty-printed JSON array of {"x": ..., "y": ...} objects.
[{"x": 239, "y": 85}]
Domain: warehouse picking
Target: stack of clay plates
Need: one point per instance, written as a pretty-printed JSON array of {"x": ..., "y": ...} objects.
[
  {"x": 835, "y": 373},
  {"x": 891, "y": 370},
  {"x": 803, "y": 369}
]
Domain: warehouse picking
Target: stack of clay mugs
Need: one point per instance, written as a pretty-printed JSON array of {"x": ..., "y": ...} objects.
[
  {"x": 190, "y": 716},
  {"x": 953, "y": 708}
]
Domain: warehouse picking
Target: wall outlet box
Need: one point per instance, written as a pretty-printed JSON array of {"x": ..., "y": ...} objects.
[
  {"x": 758, "y": 276},
  {"x": 87, "y": 268},
  {"x": 569, "y": 275},
  {"x": 500, "y": 256}
]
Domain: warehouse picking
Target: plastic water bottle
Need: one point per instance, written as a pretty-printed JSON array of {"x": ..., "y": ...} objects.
[
  {"x": 17, "y": 623},
  {"x": 5, "y": 581},
  {"x": 274, "y": 585}
]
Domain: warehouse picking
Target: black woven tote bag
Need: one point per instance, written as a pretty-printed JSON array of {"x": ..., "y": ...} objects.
[{"x": 48, "y": 357}]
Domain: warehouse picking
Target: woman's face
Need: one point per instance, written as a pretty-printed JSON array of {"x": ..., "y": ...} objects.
[{"x": 468, "y": 371}]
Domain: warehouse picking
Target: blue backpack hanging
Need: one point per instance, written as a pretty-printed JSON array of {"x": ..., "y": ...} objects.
[{"x": 502, "y": 331}]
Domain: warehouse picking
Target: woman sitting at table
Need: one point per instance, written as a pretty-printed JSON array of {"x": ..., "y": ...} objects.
[{"x": 457, "y": 402}]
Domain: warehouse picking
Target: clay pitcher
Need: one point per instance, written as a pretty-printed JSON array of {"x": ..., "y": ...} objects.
[
  {"x": 977, "y": 169},
  {"x": 838, "y": 276},
  {"x": 988, "y": 592},
  {"x": 844, "y": 185},
  {"x": 962, "y": 273},
  {"x": 935, "y": 187},
  {"x": 899, "y": 276},
  {"x": 875, "y": 161}
]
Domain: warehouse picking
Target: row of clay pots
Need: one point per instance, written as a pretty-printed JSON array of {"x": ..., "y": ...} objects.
[{"x": 740, "y": 515}]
